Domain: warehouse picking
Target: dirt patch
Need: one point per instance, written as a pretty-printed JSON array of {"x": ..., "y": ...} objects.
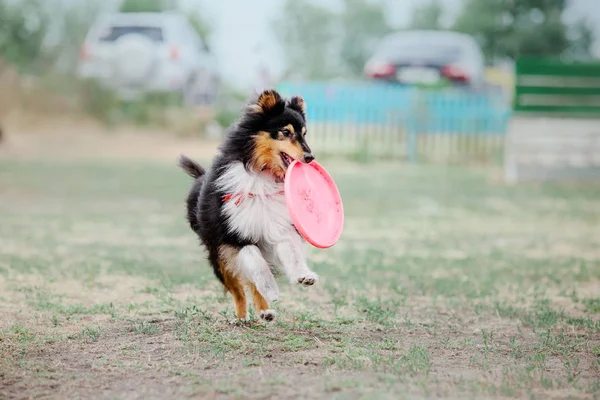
[
  {"x": 74, "y": 138},
  {"x": 34, "y": 301},
  {"x": 120, "y": 362},
  {"x": 426, "y": 348}
]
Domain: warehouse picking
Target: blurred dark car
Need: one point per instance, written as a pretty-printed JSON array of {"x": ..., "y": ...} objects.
[{"x": 428, "y": 58}]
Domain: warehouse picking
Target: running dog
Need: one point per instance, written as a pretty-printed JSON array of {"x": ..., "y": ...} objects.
[{"x": 238, "y": 208}]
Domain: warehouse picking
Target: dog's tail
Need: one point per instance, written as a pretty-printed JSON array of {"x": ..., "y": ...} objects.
[{"x": 191, "y": 167}]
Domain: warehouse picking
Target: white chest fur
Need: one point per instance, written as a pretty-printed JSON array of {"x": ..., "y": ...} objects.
[{"x": 257, "y": 209}]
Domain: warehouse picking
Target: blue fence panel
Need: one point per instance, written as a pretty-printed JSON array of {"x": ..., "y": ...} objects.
[{"x": 435, "y": 111}]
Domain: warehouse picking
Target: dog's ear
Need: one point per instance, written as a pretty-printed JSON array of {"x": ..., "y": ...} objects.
[
  {"x": 267, "y": 102},
  {"x": 297, "y": 103}
]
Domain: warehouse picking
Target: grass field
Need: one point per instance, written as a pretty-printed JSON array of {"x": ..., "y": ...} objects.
[{"x": 445, "y": 284}]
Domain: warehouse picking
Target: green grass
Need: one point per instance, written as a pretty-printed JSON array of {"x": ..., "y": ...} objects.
[{"x": 444, "y": 284}]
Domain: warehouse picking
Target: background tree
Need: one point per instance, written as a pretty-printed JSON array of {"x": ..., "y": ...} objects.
[
  {"x": 23, "y": 27},
  {"x": 319, "y": 43},
  {"x": 69, "y": 30},
  {"x": 582, "y": 38},
  {"x": 427, "y": 16},
  {"x": 147, "y": 5},
  {"x": 306, "y": 34},
  {"x": 201, "y": 25},
  {"x": 362, "y": 24},
  {"x": 506, "y": 28}
]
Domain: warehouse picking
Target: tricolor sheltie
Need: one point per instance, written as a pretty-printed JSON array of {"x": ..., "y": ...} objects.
[{"x": 238, "y": 207}]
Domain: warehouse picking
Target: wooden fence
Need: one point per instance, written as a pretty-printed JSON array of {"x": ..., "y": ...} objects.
[{"x": 369, "y": 120}]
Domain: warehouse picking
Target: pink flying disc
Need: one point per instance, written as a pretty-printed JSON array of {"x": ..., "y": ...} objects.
[{"x": 314, "y": 203}]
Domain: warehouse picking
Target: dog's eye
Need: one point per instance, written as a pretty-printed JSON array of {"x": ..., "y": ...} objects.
[{"x": 286, "y": 132}]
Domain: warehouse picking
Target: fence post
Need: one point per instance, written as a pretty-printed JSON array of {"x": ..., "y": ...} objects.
[
  {"x": 411, "y": 140},
  {"x": 416, "y": 120}
]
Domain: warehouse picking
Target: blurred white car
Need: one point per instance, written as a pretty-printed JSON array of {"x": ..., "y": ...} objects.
[
  {"x": 428, "y": 58},
  {"x": 136, "y": 53}
]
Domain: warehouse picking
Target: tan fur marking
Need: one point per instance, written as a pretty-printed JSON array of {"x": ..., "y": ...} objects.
[
  {"x": 290, "y": 128},
  {"x": 260, "y": 303},
  {"x": 293, "y": 149},
  {"x": 304, "y": 130},
  {"x": 235, "y": 287},
  {"x": 263, "y": 151},
  {"x": 300, "y": 102},
  {"x": 233, "y": 283},
  {"x": 255, "y": 108},
  {"x": 268, "y": 99},
  {"x": 267, "y": 150},
  {"x": 228, "y": 254}
]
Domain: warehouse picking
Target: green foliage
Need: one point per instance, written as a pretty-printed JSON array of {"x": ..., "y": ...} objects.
[
  {"x": 201, "y": 26},
  {"x": 427, "y": 16},
  {"x": 226, "y": 118},
  {"x": 306, "y": 30},
  {"x": 75, "y": 23},
  {"x": 97, "y": 101},
  {"x": 582, "y": 39},
  {"x": 147, "y": 5},
  {"x": 22, "y": 31},
  {"x": 107, "y": 107},
  {"x": 362, "y": 23},
  {"x": 320, "y": 43},
  {"x": 513, "y": 29}
]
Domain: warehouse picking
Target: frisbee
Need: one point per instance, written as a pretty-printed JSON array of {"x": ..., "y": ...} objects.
[{"x": 314, "y": 203}]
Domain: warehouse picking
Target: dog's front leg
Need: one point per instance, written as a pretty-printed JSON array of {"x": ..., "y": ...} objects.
[
  {"x": 257, "y": 271},
  {"x": 292, "y": 259}
]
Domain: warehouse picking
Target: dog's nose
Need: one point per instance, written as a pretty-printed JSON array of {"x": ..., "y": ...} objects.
[{"x": 308, "y": 157}]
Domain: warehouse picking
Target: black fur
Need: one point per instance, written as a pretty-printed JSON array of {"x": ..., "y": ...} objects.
[
  {"x": 204, "y": 200},
  {"x": 238, "y": 145},
  {"x": 192, "y": 168}
]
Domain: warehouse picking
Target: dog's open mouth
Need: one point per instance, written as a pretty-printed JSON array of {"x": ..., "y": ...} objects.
[{"x": 287, "y": 160}]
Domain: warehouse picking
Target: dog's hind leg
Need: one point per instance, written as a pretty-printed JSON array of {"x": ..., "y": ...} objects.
[
  {"x": 232, "y": 279},
  {"x": 235, "y": 286},
  {"x": 261, "y": 306},
  {"x": 255, "y": 269}
]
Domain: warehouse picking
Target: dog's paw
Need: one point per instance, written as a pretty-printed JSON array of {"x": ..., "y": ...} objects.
[
  {"x": 308, "y": 280},
  {"x": 268, "y": 315}
]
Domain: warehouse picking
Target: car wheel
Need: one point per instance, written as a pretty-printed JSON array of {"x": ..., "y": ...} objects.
[{"x": 134, "y": 60}]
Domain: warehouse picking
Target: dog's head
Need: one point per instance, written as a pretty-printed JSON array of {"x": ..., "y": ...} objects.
[{"x": 278, "y": 133}]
